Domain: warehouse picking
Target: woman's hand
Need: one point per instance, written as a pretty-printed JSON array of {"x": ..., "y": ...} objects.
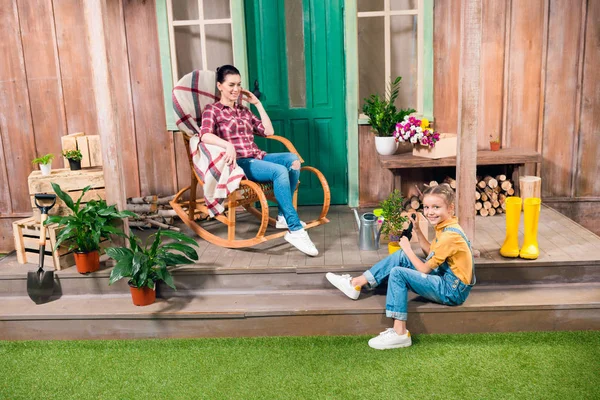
[
  {"x": 249, "y": 97},
  {"x": 230, "y": 153}
]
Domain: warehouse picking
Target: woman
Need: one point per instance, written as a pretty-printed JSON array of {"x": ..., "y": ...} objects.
[{"x": 232, "y": 126}]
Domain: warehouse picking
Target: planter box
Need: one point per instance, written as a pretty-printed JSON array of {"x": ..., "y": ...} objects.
[
  {"x": 445, "y": 147},
  {"x": 88, "y": 145},
  {"x": 27, "y": 245},
  {"x": 71, "y": 182}
]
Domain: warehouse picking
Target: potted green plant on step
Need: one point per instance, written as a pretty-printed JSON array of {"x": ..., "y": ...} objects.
[
  {"x": 45, "y": 163},
  {"x": 74, "y": 157},
  {"x": 86, "y": 227},
  {"x": 147, "y": 263},
  {"x": 393, "y": 219},
  {"x": 383, "y": 117}
]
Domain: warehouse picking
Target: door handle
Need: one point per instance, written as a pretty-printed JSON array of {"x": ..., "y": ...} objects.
[{"x": 256, "y": 90}]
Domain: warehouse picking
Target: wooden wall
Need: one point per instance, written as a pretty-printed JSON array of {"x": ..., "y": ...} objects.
[
  {"x": 45, "y": 73},
  {"x": 540, "y": 89}
]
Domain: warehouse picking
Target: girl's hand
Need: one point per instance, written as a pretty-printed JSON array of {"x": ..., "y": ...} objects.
[
  {"x": 249, "y": 97},
  {"x": 405, "y": 243},
  {"x": 415, "y": 220},
  {"x": 230, "y": 154}
]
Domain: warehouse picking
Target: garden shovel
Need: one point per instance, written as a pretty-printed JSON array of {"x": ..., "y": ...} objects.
[{"x": 40, "y": 283}]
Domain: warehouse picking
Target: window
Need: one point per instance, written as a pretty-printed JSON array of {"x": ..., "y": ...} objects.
[
  {"x": 395, "y": 38},
  {"x": 197, "y": 34}
]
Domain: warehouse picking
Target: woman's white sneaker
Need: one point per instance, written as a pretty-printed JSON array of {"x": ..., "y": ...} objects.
[
  {"x": 281, "y": 223},
  {"x": 300, "y": 240},
  {"x": 389, "y": 339},
  {"x": 344, "y": 283}
]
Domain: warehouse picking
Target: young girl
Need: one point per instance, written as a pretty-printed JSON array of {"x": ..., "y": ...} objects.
[
  {"x": 232, "y": 126},
  {"x": 445, "y": 277}
]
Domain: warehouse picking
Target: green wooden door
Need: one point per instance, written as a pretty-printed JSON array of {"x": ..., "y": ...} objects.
[{"x": 295, "y": 53}]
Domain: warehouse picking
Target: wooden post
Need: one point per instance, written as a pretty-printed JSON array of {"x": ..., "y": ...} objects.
[
  {"x": 104, "y": 90},
  {"x": 468, "y": 108}
]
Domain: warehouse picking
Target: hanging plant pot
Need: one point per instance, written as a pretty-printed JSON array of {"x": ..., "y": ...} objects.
[
  {"x": 386, "y": 146},
  {"x": 74, "y": 165},
  {"x": 142, "y": 296},
  {"x": 87, "y": 262},
  {"x": 46, "y": 169}
]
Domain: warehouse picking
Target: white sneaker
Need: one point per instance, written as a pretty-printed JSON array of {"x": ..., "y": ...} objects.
[
  {"x": 389, "y": 339},
  {"x": 300, "y": 240},
  {"x": 282, "y": 223},
  {"x": 343, "y": 282}
]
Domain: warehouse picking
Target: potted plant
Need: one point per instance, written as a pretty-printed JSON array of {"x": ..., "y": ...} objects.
[
  {"x": 74, "y": 157},
  {"x": 149, "y": 263},
  {"x": 45, "y": 163},
  {"x": 86, "y": 227},
  {"x": 494, "y": 143},
  {"x": 383, "y": 117},
  {"x": 393, "y": 220}
]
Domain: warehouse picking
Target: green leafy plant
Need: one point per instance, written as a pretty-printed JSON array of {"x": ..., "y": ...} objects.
[
  {"x": 391, "y": 211},
  {"x": 145, "y": 264},
  {"x": 88, "y": 225},
  {"x": 382, "y": 112},
  {"x": 46, "y": 159},
  {"x": 74, "y": 155}
]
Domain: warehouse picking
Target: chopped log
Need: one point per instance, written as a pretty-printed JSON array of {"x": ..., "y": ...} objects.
[
  {"x": 165, "y": 200},
  {"x": 451, "y": 182},
  {"x": 490, "y": 182},
  {"x": 142, "y": 208},
  {"x": 501, "y": 178},
  {"x": 478, "y": 205},
  {"x": 139, "y": 224},
  {"x": 530, "y": 186},
  {"x": 142, "y": 200},
  {"x": 481, "y": 184},
  {"x": 161, "y": 225},
  {"x": 495, "y": 204},
  {"x": 510, "y": 191},
  {"x": 484, "y": 197},
  {"x": 487, "y": 205},
  {"x": 506, "y": 185},
  {"x": 492, "y": 211},
  {"x": 415, "y": 204},
  {"x": 406, "y": 204},
  {"x": 484, "y": 212},
  {"x": 499, "y": 210},
  {"x": 477, "y": 195},
  {"x": 501, "y": 198}
]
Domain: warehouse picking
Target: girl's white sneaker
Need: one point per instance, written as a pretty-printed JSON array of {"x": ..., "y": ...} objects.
[
  {"x": 389, "y": 339},
  {"x": 344, "y": 283}
]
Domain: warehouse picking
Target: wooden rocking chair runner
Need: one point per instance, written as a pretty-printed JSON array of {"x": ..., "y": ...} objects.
[{"x": 201, "y": 85}]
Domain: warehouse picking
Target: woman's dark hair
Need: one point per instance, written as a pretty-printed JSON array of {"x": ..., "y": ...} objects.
[
  {"x": 444, "y": 190},
  {"x": 225, "y": 70}
]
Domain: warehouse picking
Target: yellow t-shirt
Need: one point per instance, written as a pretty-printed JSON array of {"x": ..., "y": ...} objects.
[{"x": 451, "y": 247}]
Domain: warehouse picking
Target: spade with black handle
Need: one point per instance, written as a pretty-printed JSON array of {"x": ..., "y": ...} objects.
[{"x": 40, "y": 283}]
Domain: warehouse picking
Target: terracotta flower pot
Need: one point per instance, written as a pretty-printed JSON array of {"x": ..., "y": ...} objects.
[
  {"x": 494, "y": 146},
  {"x": 142, "y": 296},
  {"x": 87, "y": 262}
]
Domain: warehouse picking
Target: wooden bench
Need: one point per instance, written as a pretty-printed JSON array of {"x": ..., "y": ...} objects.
[{"x": 514, "y": 159}]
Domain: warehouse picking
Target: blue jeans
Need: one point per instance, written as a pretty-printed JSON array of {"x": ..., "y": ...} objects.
[
  {"x": 277, "y": 168},
  {"x": 440, "y": 285}
]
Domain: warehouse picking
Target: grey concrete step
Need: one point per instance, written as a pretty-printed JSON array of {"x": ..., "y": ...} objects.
[{"x": 254, "y": 312}]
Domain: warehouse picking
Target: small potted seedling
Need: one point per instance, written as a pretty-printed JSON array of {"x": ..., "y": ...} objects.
[
  {"x": 74, "y": 157},
  {"x": 45, "y": 163},
  {"x": 494, "y": 143}
]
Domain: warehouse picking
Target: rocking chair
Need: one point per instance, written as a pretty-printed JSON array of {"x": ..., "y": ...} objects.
[{"x": 202, "y": 86}]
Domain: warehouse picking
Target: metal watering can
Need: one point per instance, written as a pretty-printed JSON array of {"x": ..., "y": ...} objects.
[{"x": 368, "y": 231}]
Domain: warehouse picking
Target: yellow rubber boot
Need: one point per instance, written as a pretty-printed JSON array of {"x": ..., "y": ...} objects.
[
  {"x": 531, "y": 210},
  {"x": 510, "y": 248}
]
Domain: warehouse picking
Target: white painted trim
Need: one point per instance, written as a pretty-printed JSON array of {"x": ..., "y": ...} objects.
[
  {"x": 387, "y": 43},
  {"x": 202, "y": 34},
  {"x": 420, "y": 53},
  {"x": 174, "y": 66},
  {"x": 192, "y": 22},
  {"x": 366, "y": 14}
]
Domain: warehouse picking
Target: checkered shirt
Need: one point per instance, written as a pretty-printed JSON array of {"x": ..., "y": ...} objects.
[{"x": 237, "y": 125}]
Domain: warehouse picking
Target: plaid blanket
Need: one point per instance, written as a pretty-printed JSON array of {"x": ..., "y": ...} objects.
[{"x": 191, "y": 94}]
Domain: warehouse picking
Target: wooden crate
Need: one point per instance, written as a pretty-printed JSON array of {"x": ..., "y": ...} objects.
[
  {"x": 27, "y": 244},
  {"x": 445, "y": 147},
  {"x": 71, "y": 182},
  {"x": 88, "y": 145}
]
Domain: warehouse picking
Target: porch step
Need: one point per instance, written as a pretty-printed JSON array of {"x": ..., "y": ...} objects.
[
  {"x": 13, "y": 279},
  {"x": 226, "y": 313}
]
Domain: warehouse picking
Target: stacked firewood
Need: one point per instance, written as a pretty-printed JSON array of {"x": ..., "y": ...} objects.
[
  {"x": 153, "y": 212},
  {"x": 490, "y": 194}
]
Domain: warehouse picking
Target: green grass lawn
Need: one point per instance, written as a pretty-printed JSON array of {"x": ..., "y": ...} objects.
[{"x": 553, "y": 365}]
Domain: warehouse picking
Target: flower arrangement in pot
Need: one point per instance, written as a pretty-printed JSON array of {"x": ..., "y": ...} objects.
[
  {"x": 145, "y": 264},
  {"x": 45, "y": 163},
  {"x": 86, "y": 227},
  {"x": 416, "y": 131},
  {"x": 383, "y": 116},
  {"x": 74, "y": 157},
  {"x": 494, "y": 143},
  {"x": 393, "y": 220}
]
